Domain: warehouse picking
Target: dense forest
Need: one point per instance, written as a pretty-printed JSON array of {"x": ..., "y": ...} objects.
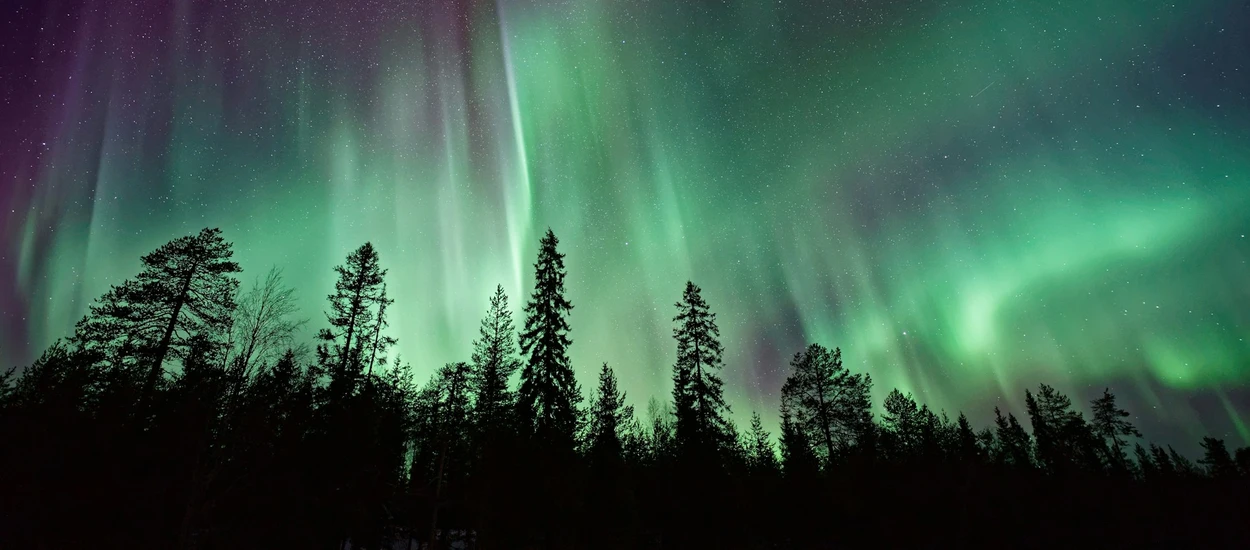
[{"x": 183, "y": 412}]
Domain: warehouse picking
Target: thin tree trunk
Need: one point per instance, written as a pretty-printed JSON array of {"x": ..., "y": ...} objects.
[
  {"x": 159, "y": 359},
  {"x": 438, "y": 490}
]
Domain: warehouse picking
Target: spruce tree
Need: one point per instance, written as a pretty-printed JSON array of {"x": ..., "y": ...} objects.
[
  {"x": 966, "y": 441},
  {"x": 1014, "y": 444},
  {"x": 901, "y": 422},
  {"x": 185, "y": 289},
  {"x": 829, "y": 404},
  {"x": 358, "y": 294},
  {"x": 494, "y": 363},
  {"x": 698, "y": 397},
  {"x": 548, "y": 396},
  {"x": 797, "y": 458},
  {"x": 761, "y": 456},
  {"x": 608, "y": 417},
  {"x": 1216, "y": 458},
  {"x": 1064, "y": 440}
]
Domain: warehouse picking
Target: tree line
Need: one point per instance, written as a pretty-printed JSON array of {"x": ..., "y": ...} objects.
[{"x": 183, "y": 412}]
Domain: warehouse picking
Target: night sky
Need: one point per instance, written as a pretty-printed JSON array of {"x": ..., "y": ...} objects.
[{"x": 969, "y": 197}]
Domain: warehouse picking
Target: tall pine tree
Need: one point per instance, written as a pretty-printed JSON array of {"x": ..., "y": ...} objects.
[
  {"x": 494, "y": 363},
  {"x": 608, "y": 417},
  {"x": 698, "y": 397},
  {"x": 761, "y": 456},
  {"x": 1109, "y": 424},
  {"x": 186, "y": 290},
  {"x": 548, "y": 396},
  {"x": 358, "y": 295}
]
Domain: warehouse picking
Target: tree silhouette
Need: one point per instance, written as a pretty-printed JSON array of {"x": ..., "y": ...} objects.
[
  {"x": 185, "y": 289},
  {"x": 761, "y": 455},
  {"x": 608, "y": 416},
  {"x": 357, "y": 292},
  {"x": 378, "y": 342},
  {"x": 1109, "y": 425},
  {"x": 902, "y": 422},
  {"x": 966, "y": 446},
  {"x": 264, "y": 326},
  {"x": 1014, "y": 444},
  {"x": 548, "y": 396},
  {"x": 244, "y": 445},
  {"x": 1064, "y": 439},
  {"x": 797, "y": 458},
  {"x": 698, "y": 397},
  {"x": 1218, "y": 461},
  {"x": 1243, "y": 461},
  {"x": 494, "y": 363},
  {"x": 830, "y": 405}
]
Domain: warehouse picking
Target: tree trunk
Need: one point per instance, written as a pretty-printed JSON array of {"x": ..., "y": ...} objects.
[{"x": 159, "y": 359}]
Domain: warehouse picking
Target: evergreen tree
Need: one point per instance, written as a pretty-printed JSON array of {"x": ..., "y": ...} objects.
[
  {"x": 494, "y": 363},
  {"x": 1218, "y": 461},
  {"x": 761, "y": 456},
  {"x": 1183, "y": 467},
  {"x": 966, "y": 448},
  {"x": 185, "y": 289},
  {"x": 902, "y": 422},
  {"x": 1064, "y": 440},
  {"x": 1243, "y": 461},
  {"x": 830, "y": 405},
  {"x": 378, "y": 342},
  {"x": 357, "y": 292},
  {"x": 548, "y": 396},
  {"x": 698, "y": 397},
  {"x": 1163, "y": 461},
  {"x": 608, "y": 418},
  {"x": 797, "y": 458},
  {"x": 1145, "y": 466},
  {"x": 1109, "y": 425},
  {"x": 1014, "y": 443}
]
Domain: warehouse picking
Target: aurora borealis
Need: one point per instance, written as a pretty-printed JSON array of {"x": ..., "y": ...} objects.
[{"x": 968, "y": 197}]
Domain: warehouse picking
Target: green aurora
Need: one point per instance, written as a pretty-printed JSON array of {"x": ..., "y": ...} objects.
[{"x": 968, "y": 197}]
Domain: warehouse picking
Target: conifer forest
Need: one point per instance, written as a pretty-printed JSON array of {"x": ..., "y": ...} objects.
[
  {"x": 624, "y": 274},
  {"x": 184, "y": 413}
]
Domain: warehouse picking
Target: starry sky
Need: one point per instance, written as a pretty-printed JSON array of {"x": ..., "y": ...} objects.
[{"x": 969, "y": 197}]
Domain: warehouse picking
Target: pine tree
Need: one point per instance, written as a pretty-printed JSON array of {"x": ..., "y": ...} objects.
[
  {"x": 1183, "y": 467},
  {"x": 966, "y": 441},
  {"x": 1109, "y": 425},
  {"x": 1064, "y": 440},
  {"x": 901, "y": 422},
  {"x": 494, "y": 363},
  {"x": 358, "y": 291},
  {"x": 1145, "y": 466},
  {"x": 608, "y": 416},
  {"x": 830, "y": 405},
  {"x": 548, "y": 397},
  {"x": 185, "y": 289},
  {"x": 761, "y": 456},
  {"x": 797, "y": 458},
  {"x": 698, "y": 397},
  {"x": 378, "y": 342},
  {"x": 1242, "y": 457},
  {"x": 1163, "y": 461},
  {"x": 1218, "y": 461},
  {"x": 1014, "y": 443}
]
